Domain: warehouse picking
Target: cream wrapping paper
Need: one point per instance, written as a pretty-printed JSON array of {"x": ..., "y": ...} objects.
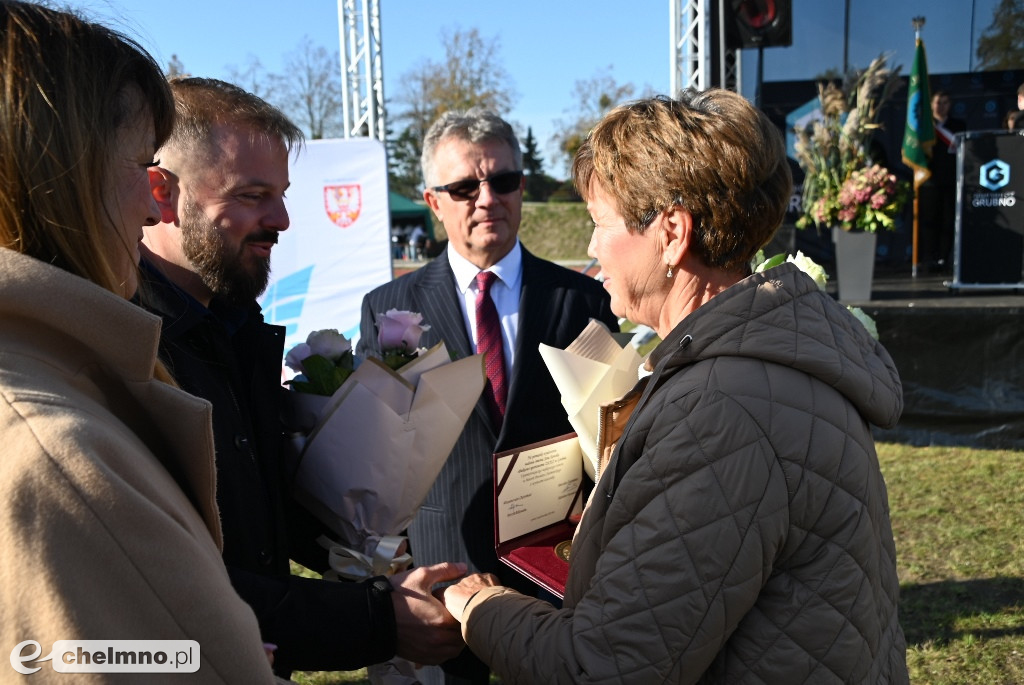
[
  {"x": 593, "y": 370},
  {"x": 378, "y": 443},
  {"x": 368, "y": 455}
]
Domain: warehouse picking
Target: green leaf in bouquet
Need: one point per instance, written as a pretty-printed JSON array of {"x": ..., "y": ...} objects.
[
  {"x": 324, "y": 377},
  {"x": 396, "y": 359},
  {"x": 303, "y": 386},
  {"x": 772, "y": 262}
]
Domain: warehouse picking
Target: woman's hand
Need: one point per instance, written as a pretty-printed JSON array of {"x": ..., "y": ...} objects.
[{"x": 457, "y": 596}]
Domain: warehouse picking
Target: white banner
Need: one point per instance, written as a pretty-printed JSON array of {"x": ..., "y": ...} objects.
[{"x": 338, "y": 247}]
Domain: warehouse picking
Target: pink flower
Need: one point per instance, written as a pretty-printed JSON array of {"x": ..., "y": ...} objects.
[
  {"x": 400, "y": 330},
  {"x": 819, "y": 211}
]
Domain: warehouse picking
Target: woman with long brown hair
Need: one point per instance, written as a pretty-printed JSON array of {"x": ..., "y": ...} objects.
[{"x": 108, "y": 524}]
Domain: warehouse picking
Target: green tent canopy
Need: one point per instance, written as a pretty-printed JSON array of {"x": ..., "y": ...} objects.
[{"x": 405, "y": 213}]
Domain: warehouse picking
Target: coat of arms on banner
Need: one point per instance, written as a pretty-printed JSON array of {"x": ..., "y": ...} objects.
[{"x": 343, "y": 203}]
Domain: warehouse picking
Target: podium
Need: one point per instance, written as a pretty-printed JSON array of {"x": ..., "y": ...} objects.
[{"x": 989, "y": 242}]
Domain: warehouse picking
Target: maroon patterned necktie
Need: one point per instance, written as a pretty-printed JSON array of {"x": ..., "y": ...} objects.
[{"x": 488, "y": 337}]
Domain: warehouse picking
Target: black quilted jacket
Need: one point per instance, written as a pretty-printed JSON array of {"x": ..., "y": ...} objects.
[{"x": 741, "y": 532}]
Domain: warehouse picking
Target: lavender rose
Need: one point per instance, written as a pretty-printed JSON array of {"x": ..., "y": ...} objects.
[{"x": 400, "y": 330}]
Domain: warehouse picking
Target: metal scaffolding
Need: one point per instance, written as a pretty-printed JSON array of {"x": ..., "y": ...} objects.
[
  {"x": 691, "y": 45},
  {"x": 362, "y": 70}
]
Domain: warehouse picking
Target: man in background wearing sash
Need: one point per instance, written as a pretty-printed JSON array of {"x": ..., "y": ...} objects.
[{"x": 938, "y": 194}]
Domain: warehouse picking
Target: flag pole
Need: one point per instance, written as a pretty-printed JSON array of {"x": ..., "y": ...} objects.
[
  {"x": 918, "y": 23},
  {"x": 919, "y": 134}
]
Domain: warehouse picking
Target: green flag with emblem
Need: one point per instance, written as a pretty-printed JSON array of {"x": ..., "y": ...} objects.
[{"x": 919, "y": 134}]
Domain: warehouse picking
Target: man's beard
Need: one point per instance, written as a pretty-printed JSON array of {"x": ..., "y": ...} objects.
[{"x": 235, "y": 276}]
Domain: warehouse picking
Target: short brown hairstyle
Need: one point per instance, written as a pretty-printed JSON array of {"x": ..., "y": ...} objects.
[
  {"x": 203, "y": 103},
  {"x": 711, "y": 153}
]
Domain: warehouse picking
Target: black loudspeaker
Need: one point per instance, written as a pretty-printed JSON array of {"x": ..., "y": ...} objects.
[{"x": 758, "y": 23}]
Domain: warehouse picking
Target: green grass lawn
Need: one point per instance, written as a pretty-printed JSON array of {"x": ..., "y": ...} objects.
[{"x": 958, "y": 518}]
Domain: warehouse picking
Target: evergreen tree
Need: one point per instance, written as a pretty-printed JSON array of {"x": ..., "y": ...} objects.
[
  {"x": 533, "y": 165},
  {"x": 1001, "y": 45},
  {"x": 404, "y": 175}
]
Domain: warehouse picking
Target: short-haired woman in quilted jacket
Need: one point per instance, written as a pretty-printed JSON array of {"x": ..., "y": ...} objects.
[{"x": 740, "y": 532}]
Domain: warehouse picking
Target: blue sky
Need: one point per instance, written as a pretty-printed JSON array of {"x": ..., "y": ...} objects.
[{"x": 545, "y": 45}]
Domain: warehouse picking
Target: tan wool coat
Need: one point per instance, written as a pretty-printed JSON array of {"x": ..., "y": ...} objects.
[{"x": 108, "y": 524}]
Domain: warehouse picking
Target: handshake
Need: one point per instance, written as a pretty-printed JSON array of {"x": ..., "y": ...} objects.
[{"x": 427, "y": 619}]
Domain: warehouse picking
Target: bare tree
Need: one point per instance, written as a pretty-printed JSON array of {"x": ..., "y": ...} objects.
[
  {"x": 471, "y": 74},
  {"x": 310, "y": 89},
  {"x": 594, "y": 97},
  {"x": 1001, "y": 45},
  {"x": 416, "y": 99},
  {"x": 404, "y": 174},
  {"x": 253, "y": 77},
  {"x": 405, "y": 148}
]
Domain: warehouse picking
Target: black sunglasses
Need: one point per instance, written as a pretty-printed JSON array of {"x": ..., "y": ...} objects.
[{"x": 502, "y": 184}]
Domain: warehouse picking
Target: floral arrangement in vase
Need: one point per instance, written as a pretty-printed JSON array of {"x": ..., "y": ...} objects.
[{"x": 843, "y": 185}]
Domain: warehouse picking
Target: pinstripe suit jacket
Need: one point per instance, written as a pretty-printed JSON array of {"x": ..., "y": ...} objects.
[{"x": 456, "y": 523}]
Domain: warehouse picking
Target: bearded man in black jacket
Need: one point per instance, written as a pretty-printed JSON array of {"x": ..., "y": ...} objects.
[{"x": 220, "y": 186}]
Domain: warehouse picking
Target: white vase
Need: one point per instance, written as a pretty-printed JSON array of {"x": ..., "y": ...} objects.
[{"x": 855, "y": 263}]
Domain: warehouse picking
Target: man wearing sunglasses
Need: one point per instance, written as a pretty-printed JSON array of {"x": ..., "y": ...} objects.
[{"x": 472, "y": 167}]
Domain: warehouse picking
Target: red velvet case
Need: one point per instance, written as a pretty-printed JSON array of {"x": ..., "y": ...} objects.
[{"x": 534, "y": 554}]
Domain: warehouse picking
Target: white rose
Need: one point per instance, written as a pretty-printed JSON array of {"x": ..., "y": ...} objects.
[
  {"x": 328, "y": 343},
  {"x": 868, "y": 322},
  {"x": 293, "y": 360},
  {"x": 810, "y": 267}
]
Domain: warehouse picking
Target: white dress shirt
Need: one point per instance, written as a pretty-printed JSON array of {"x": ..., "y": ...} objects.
[{"x": 505, "y": 293}]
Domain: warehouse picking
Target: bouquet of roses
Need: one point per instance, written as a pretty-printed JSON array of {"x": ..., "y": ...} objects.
[{"x": 370, "y": 436}]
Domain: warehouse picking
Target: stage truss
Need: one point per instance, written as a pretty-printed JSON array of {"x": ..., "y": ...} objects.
[
  {"x": 362, "y": 69},
  {"x": 691, "y": 44}
]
